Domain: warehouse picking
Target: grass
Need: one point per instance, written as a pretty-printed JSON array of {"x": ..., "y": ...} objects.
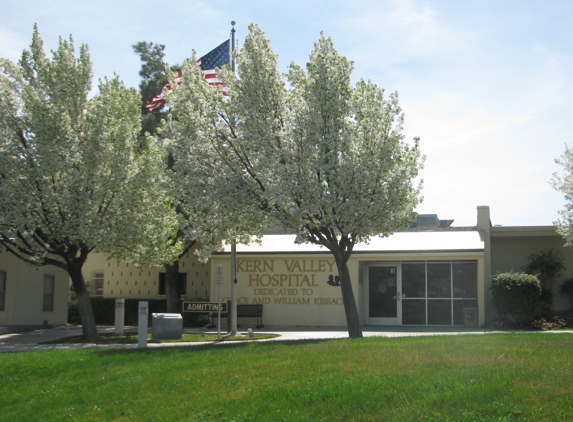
[
  {"x": 494, "y": 377},
  {"x": 131, "y": 338}
]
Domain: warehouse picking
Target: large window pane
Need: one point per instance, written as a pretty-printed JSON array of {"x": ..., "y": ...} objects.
[
  {"x": 439, "y": 280},
  {"x": 414, "y": 280},
  {"x": 458, "y": 312},
  {"x": 382, "y": 292},
  {"x": 414, "y": 311},
  {"x": 465, "y": 279},
  {"x": 439, "y": 312}
]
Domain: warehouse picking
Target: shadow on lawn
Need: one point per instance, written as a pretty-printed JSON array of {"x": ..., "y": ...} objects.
[{"x": 205, "y": 347}]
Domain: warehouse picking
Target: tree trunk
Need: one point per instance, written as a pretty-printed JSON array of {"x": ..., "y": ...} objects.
[
  {"x": 171, "y": 290},
  {"x": 89, "y": 327},
  {"x": 350, "y": 308}
]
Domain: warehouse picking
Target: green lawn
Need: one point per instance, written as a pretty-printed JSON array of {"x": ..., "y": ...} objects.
[{"x": 494, "y": 377}]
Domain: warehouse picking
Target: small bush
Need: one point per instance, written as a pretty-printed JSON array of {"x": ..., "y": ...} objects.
[
  {"x": 73, "y": 313},
  {"x": 566, "y": 288},
  {"x": 547, "y": 265},
  {"x": 566, "y": 316},
  {"x": 516, "y": 297},
  {"x": 545, "y": 325}
]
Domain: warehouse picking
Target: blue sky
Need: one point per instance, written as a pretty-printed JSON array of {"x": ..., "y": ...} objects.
[{"x": 486, "y": 85}]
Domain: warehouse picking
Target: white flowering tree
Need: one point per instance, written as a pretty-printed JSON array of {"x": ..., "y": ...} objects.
[
  {"x": 564, "y": 184},
  {"x": 73, "y": 175},
  {"x": 319, "y": 157}
]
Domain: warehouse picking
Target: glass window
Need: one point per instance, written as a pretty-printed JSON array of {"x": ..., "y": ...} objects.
[
  {"x": 414, "y": 280},
  {"x": 97, "y": 282},
  {"x": 414, "y": 311},
  {"x": 436, "y": 293},
  {"x": 458, "y": 312},
  {"x": 439, "y": 312},
  {"x": 440, "y": 280},
  {"x": 48, "y": 303},
  {"x": 382, "y": 292},
  {"x": 465, "y": 279},
  {"x": 2, "y": 290}
]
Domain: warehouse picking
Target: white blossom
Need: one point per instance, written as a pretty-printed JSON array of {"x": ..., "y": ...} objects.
[
  {"x": 73, "y": 175},
  {"x": 317, "y": 156},
  {"x": 564, "y": 183}
]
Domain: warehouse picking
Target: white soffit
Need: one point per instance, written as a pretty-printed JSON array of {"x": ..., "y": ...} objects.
[{"x": 403, "y": 241}]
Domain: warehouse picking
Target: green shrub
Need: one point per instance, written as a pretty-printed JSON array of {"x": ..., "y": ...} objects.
[
  {"x": 566, "y": 288},
  {"x": 104, "y": 312},
  {"x": 73, "y": 313},
  {"x": 516, "y": 297},
  {"x": 547, "y": 265},
  {"x": 566, "y": 316},
  {"x": 545, "y": 325}
]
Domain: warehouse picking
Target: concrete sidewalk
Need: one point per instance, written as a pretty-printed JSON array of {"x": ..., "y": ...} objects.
[{"x": 30, "y": 340}]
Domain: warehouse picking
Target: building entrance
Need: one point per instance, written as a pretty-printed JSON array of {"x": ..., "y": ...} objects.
[
  {"x": 420, "y": 293},
  {"x": 383, "y": 294}
]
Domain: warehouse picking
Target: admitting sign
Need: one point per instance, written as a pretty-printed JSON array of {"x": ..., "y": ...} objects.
[{"x": 204, "y": 307}]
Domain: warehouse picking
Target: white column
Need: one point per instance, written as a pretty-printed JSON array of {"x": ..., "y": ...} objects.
[
  {"x": 119, "y": 316},
  {"x": 484, "y": 295},
  {"x": 142, "y": 324}
]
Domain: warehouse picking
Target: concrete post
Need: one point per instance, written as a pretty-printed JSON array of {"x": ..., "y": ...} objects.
[
  {"x": 484, "y": 227},
  {"x": 119, "y": 316},
  {"x": 142, "y": 324}
]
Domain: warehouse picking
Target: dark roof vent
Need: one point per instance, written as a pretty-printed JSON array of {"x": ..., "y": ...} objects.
[{"x": 430, "y": 221}]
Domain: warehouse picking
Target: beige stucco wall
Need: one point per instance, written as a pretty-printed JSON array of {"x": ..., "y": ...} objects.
[
  {"x": 510, "y": 247},
  {"x": 294, "y": 290},
  {"x": 125, "y": 280},
  {"x": 25, "y": 290}
]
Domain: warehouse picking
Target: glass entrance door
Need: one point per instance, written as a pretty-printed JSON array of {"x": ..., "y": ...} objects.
[{"x": 383, "y": 294}]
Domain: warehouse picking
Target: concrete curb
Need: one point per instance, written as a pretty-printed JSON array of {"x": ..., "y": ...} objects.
[{"x": 19, "y": 341}]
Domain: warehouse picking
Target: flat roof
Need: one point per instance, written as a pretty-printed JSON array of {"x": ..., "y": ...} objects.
[
  {"x": 523, "y": 231},
  {"x": 420, "y": 241}
]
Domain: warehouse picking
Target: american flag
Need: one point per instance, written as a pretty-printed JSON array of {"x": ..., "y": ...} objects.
[{"x": 216, "y": 58}]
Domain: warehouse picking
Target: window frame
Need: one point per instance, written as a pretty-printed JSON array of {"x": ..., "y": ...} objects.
[
  {"x": 48, "y": 297},
  {"x": 98, "y": 291},
  {"x": 457, "y": 301}
]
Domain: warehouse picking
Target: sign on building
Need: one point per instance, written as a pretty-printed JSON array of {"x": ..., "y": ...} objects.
[{"x": 204, "y": 307}]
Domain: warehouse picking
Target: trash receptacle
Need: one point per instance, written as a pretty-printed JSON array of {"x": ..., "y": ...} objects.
[
  {"x": 166, "y": 326},
  {"x": 470, "y": 317}
]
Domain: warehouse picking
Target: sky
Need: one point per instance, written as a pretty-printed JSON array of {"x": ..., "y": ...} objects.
[{"x": 487, "y": 86}]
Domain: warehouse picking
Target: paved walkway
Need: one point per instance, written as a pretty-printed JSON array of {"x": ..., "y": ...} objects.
[{"x": 30, "y": 340}]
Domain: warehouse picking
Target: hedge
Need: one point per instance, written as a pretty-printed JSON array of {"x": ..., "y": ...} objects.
[
  {"x": 104, "y": 312},
  {"x": 516, "y": 297}
]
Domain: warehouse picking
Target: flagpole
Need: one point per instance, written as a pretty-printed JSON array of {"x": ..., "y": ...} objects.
[
  {"x": 234, "y": 242},
  {"x": 233, "y": 46}
]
